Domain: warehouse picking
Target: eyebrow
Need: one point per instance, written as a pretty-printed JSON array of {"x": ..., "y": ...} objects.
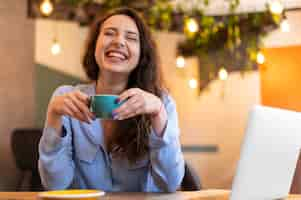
[{"x": 115, "y": 29}]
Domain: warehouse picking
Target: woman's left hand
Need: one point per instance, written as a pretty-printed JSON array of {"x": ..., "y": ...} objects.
[{"x": 137, "y": 102}]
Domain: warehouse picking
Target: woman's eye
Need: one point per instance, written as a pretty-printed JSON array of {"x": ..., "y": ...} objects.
[
  {"x": 132, "y": 39},
  {"x": 109, "y": 33}
]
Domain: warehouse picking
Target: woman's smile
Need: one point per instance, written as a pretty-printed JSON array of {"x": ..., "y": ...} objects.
[{"x": 116, "y": 56}]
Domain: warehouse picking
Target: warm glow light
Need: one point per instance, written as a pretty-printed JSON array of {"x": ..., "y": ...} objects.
[
  {"x": 192, "y": 25},
  {"x": 46, "y": 7},
  {"x": 223, "y": 74},
  {"x": 55, "y": 48},
  {"x": 180, "y": 62},
  {"x": 285, "y": 26},
  {"x": 260, "y": 58},
  {"x": 276, "y": 7},
  {"x": 193, "y": 83}
]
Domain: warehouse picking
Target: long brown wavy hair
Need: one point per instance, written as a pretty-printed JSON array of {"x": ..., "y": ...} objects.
[{"x": 130, "y": 139}]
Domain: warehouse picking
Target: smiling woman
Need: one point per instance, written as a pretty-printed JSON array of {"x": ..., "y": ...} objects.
[
  {"x": 138, "y": 149},
  {"x": 118, "y": 45}
]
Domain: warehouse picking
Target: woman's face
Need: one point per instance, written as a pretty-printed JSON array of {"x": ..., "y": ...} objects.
[{"x": 118, "y": 45}]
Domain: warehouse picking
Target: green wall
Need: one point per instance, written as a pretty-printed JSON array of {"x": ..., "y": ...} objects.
[{"x": 47, "y": 80}]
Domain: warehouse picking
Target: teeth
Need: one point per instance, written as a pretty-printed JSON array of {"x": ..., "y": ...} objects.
[{"x": 116, "y": 54}]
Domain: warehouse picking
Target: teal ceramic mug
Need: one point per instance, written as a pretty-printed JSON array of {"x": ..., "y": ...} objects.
[{"x": 103, "y": 105}]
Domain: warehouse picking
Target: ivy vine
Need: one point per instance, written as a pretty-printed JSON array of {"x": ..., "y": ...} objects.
[{"x": 230, "y": 41}]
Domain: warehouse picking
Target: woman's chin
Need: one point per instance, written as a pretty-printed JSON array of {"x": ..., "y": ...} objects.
[{"x": 117, "y": 68}]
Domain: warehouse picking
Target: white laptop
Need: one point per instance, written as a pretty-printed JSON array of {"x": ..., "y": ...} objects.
[{"x": 268, "y": 156}]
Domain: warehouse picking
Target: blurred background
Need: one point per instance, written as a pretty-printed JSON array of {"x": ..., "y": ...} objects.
[{"x": 219, "y": 58}]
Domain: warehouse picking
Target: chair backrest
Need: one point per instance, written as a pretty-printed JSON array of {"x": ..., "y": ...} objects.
[
  {"x": 191, "y": 180},
  {"x": 24, "y": 143}
]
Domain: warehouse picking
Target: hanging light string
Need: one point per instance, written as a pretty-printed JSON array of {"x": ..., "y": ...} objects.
[
  {"x": 55, "y": 47},
  {"x": 191, "y": 27}
]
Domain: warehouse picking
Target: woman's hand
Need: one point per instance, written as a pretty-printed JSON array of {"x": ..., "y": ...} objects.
[
  {"x": 137, "y": 102},
  {"x": 74, "y": 104}
]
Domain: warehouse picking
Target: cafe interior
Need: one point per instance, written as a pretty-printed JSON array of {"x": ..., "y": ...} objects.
[{"x": 219, "y": 58}]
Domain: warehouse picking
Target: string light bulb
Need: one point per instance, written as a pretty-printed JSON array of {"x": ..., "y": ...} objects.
[
  {"x": 55, "y": 48},
  {"x": 191, "y": 25},
  {"x": 193, "y": 83},
  {"x": 223, "y": 74},
  {"x": 276, "y": 7},
  {"x": 260, "y": 58},
  {"x": 180, "y": 62},
  {"x": 46, "y": 7},
  {"x": 285, "y": 26}
]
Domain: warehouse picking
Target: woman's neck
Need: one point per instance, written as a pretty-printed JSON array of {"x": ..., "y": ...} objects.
[{"x": 111, "y": 83}]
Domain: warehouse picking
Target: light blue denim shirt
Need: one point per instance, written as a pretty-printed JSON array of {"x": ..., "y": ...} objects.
[{"x": 85, "y": 163}]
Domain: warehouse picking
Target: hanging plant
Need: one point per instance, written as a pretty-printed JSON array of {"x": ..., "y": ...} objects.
[{"x": 230, "y": 42}]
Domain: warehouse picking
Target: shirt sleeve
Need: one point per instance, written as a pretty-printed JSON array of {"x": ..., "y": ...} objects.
[
  {"x": 167, "y": 163},
  {"x": 56, "y": 165}
]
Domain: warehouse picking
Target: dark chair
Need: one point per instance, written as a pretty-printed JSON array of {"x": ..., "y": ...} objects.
[
  {"x": 191, "y": 180},
  {"x": 24, "y": 143}
]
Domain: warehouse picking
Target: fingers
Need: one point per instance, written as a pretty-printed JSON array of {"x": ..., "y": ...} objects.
[
  {"x": 128, "y": 94},
  {"x": 68, "y": 111},
  {"x": 82, "y": 97},
  {"x": 126, "y": 104},
  {"x": 81, "y": 106},
  {"x": 75, "y": 105},
  {"x": 84, "y": 100},
  {"x": 130, "y": 108},
  {"x": 72, "y": 110},
  {"x": 133, "y": 113}
]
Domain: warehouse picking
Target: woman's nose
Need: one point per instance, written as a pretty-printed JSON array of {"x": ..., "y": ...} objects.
[{"x": 119, "y": 41}]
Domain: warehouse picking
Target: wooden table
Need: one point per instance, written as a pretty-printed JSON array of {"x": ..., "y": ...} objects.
[{"x": 199, "y": 195}]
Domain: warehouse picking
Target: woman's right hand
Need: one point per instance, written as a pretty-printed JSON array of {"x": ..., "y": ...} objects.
[{"x": 74, "y": 104}]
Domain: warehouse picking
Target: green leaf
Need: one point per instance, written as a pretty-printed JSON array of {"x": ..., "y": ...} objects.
[{"x": 206, "y": 2}]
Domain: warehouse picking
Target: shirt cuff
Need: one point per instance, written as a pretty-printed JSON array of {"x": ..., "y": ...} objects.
[
  {"x": 51, "y": 140},
  {"x": 155, "y": 141}
]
